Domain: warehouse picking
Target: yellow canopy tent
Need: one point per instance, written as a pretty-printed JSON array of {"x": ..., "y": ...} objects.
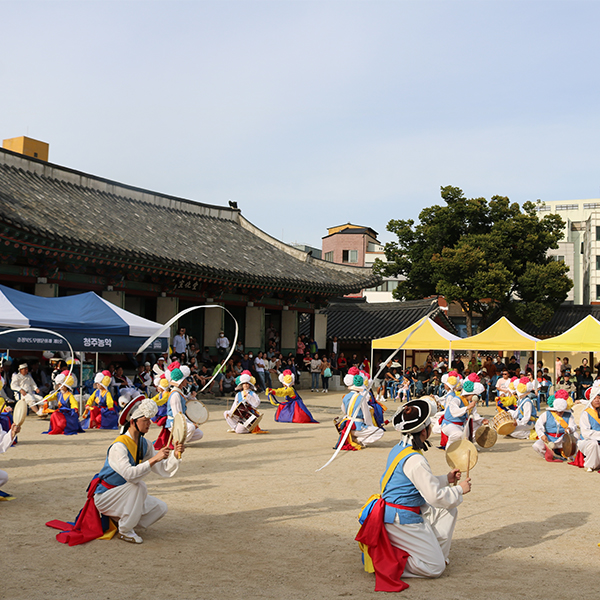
[
  {"x": 583, "y": 337},
  {"x": 502, "y": 335},
  {"x": 425, "y": 334},
  {"x": 429, "y": 336}
]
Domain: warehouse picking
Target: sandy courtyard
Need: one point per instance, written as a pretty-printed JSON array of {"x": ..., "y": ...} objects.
[{"x": 250, "y": 518}]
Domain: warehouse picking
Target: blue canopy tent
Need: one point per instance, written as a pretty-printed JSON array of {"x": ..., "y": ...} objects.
[{"x": 90, "y": 323}]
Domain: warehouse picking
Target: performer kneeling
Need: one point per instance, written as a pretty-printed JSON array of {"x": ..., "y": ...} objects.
[
  {"x": 359, "y": 416},
  {"x": 552, "y": 426},
  {"x": 407, "y": 529},
  {"x": 118, "y": 490},
  {"x": 589, "y": 423},
  {"x": 65, "y": 420},
  {"x": 177, "y": 376},
  {"x": 243, "y": 416},
  {"x": 292, "y": 409},
  {"x": 8, "y": 433},
  {"x": 458, "y": 410},
  {"x": 525, "y": 414},
  {"x": 100, "y": 407}
]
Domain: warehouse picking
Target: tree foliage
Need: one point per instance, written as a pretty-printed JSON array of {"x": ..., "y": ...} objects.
[{"x": 489, "y": 256}]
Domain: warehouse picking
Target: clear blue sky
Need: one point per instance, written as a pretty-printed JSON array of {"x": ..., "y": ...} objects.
[{"x": 311, "y": 114}]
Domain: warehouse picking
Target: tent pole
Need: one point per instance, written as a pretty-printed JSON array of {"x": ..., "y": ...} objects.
[
  {"x": 404, "y": 359},
  {"x": 371, "y": 370},
  {"x": 96, "y": 362}
]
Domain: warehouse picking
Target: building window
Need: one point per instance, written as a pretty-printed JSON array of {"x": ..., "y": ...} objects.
[
  {"x": 560, "y": 258},
  {"x": 598, "y": 292},
  {"x": 543, "y": 208},
  {"x": 591, "y": 205},
  {"x": 329, "y": 256},
  {"x": 350, "y": 256},
  {"x": 597, "y": 233},
  {"x": 386, "y": 286},
  {"x": 567, "y": 207},
  {"x": 373, "y": 247},
  {"x": 597, "y": 263}
]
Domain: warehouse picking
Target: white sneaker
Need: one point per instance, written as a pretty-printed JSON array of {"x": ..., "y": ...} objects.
[
  {"x": 130, "y": 536},
  {"x": 588, "y": 470}
]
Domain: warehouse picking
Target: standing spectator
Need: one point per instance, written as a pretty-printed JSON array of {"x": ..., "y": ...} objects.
[
  {"x": 300, "y": 346},
  {"x": 180, "y": 342},
  {"x": 342, "y": 365},
  {"x": 259, "y": 366},
  {"x": 222, "y": 344},
  {"x": 558, "y": 369},
  {"x": 325, "y": 374},
  {"x": 365, "y": 365},
  {"x": 313, "y": 347},
  {"x": 315, "y": 371},
  {"x": 334, "y": 352},
  {"x": 458, "y": 365},
  {"x": 566, "y": 367}
]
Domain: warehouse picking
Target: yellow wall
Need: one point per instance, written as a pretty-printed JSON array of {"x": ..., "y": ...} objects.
[
  {"x": 28, "y": 147},
  {"x": 332, "y": 230}
]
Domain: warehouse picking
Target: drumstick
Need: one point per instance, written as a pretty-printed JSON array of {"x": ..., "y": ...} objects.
[
  {"x": 169, "y": 442},
  {"x": 468, "y": 463}
]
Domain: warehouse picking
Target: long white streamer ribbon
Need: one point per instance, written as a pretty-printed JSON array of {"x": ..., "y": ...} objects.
[
  {"x": 367, "y": 391},
  {"x": 168, "y": 324},
  {"x": 53, "y": 393}
]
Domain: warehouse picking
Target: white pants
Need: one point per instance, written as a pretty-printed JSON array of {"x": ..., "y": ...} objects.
[
  {"x": 428, "y": 543},
  {"x": 234, "y": 424},
  {"x": 522, "y": 432},
  {"x": 540, "y": 447},
  {"x": 437, "y": 428},
  {"x": 591, "y": 450},
  {"x": 454, "y": 432},
  {"x": 32, "y": 400},
  {"x": 368, "y": 435},
  {"x": 3, "y": 478},
  {"x": 193, "y": 433},
  {"x": 131, "y": 504}
]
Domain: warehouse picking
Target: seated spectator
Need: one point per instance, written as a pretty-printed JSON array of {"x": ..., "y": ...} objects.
[
  {"x": 229, "y": 384},
  {"x": 584, "y": 381},
  {"x": 565, "y": 383}
]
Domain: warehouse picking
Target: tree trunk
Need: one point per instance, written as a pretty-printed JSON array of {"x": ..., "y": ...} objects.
[{"x": 469, "y": 318}]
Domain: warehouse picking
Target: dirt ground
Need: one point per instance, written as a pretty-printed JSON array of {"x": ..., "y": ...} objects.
[{"x": 250, "y": 518}]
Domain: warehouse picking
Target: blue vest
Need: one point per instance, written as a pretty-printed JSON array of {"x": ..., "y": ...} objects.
[
  {"x": 401, "y": 490},
  {"x": 108, "y": 474},
  {"x": 520, "y": 411},
  {"x": 552, "y": 425},
  {"x": 359, "y": 417},
  {"x": 170, "y": 414},
  {"x": 448, "y": 418},
  {"x": 593, "y": 423},
  {"x": 63, "y": 402}
]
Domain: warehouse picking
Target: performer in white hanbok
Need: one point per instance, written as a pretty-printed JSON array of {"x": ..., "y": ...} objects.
[
  {"x": 589, "y": 424},
  {"x": 8, "y": 432},
  {"x": 450, "y": 381},
  {"x": 118, "y": 492},
  {"x": 525, "y": 413},
  {"x": 553, "y": 424},
  {"x": 246, "y": 395},
  {"x": 177, "y": 376},
  {"x": 23, "y": 384},
  {"x": 460, "y": 410},
  {"x": 407, "y": 529},
  {"x": 364, "y": 430}
]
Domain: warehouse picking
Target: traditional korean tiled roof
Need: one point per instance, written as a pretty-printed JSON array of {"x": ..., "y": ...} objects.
[
  {"x": 363, "y": 322},
  {"x": 55, "y": 208},
  {"x": 565, "y": 317}
]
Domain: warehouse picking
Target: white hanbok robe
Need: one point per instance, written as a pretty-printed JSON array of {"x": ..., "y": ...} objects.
[
  {"x": 193, "y": 432},
  {"x": 248, "y": 397},
  {"x": 540, "y": 429},
  {"x": 589, "y": 446},
  {"x": 6, "y": 441},
  {"x": 130, "y": 502},
  {"x": 26, "y": 383},
  {"x": 428, "y": 543},
  {"x": 456, "y": 432}
]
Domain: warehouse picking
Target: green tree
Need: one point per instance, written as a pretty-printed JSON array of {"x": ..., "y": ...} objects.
[{"x": 489, "y": 256}]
